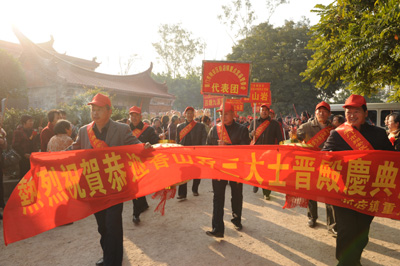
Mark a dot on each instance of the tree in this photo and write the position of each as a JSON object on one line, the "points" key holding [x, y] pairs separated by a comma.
{"points": [[178, 49], [239, 16], [278, 56], [12, 77], [125, 67], [357, 42], [186, 90], [78, 112]]}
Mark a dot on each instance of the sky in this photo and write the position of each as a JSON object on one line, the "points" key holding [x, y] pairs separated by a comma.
{"points": [[115, 30]]}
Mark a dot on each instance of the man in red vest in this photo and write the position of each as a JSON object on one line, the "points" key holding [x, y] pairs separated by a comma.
{"points": [[268, 132], [144, 133], [315, 133], [104, 132], [228, 133], [353, 226], [190, 133]]}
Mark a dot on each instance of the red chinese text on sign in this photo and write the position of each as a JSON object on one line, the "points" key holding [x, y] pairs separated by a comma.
{"points": [[226, 78]]}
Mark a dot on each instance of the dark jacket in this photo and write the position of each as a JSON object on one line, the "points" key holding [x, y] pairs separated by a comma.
{"points": [[238, 134], [25, 141], [374, 135], [272, 135], [396, 141], [149, 135], [196, 136], [172, 131], [45, 136]]}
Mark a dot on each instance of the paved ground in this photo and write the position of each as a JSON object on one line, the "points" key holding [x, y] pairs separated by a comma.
{"points": [[271, 236]]}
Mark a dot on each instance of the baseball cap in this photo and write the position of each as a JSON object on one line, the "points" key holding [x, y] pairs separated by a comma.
{"points": [[355, 101], [323, 104], [264, 105], [271, 111], [228, 107], [188, 108], [135, 109], [100, 100]]}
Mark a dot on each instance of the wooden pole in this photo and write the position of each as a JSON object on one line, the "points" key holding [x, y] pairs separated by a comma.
{"points": [[254, 121], [222, 118]]}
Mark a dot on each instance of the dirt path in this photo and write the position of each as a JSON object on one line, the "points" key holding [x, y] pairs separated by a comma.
{"points": [[270, 236]]}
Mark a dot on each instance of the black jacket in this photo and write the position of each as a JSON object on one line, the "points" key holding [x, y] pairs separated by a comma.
{"points": [[238, 134], [196, 136], [374, 135], [149, 135], [272, 135]]}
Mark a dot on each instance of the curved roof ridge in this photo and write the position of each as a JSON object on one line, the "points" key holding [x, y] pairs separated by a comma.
{"points": [[75, 74]]}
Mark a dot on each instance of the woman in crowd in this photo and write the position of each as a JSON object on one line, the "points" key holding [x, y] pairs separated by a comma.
{"points": [[62, 138], [394, 130], [164, 123], [172, 127], [25, 141], [158, 129]]}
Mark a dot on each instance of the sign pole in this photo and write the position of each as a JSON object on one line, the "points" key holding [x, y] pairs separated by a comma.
{"points": [[222, 118], [254, 120]]}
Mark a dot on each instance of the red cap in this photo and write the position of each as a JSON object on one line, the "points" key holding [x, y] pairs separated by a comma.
{"points": [[271, 111], [228, 107], [323, 104], [188, 108], [355, 101], [135, 109], [264, 105], [100, 100]]}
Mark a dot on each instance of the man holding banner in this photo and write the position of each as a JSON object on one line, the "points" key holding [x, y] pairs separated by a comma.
{"points": [[355, 134], [315, 133], [190, 133], [104, 132], [145, 133], [267, 132], [228, 133]]}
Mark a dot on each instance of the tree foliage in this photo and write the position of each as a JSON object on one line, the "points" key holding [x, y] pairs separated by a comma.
{"points": [[186, 90], [357, 42], [12, 77], [177, 49], [239, 16], [278, 56], [12, 120], [78, 112]]}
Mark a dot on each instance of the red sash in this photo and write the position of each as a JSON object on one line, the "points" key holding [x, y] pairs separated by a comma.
{"points": [[137, 132], [353, 137], [261, 128], [320, 137], [186, 130], [95, 142], [226, 138]]}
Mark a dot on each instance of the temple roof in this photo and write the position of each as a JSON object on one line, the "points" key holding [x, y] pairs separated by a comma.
{"points": [[15, 49], [48, 61]]}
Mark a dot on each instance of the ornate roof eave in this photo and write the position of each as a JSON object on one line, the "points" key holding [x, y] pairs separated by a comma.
{"points": [[150, 95], [73, 74]]}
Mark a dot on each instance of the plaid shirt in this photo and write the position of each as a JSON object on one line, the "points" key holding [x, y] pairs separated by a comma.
{"points": [[25, 141]]}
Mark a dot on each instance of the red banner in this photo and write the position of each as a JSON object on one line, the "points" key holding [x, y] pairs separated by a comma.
{"points": [[238, 105], [63, 187], [211, 101], [226, 78], [260, 92]]}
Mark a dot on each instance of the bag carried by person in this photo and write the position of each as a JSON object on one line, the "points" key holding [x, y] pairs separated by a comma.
{"points": [[10, 158]]}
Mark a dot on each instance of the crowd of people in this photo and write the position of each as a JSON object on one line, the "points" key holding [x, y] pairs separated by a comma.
{"points": [[320, 130]]}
